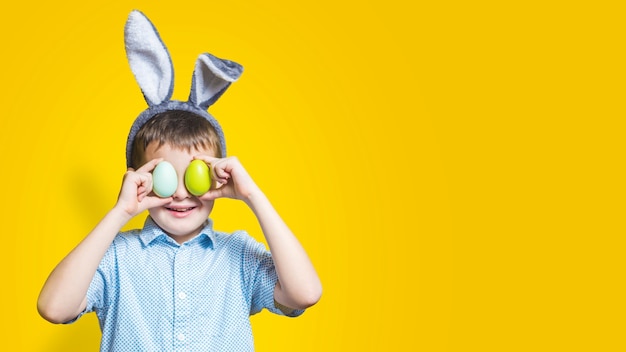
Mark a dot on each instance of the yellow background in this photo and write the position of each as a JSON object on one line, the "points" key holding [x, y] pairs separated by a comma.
{"points": [[455, 169]]}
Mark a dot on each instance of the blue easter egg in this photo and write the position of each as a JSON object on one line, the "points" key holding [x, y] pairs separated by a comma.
{"points": [[164, 179]]}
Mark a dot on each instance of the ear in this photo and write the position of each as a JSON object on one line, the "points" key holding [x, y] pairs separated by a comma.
{"points": [[149, 59], [211, 77]]}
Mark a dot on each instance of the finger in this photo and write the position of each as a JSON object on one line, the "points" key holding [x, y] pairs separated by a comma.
{"points": [[210, 161], [219, 181], [143, 183], [221, 171], [207, 158], [213, 194], [150, 165], [155, 202], [143, 191], [142, 180]]}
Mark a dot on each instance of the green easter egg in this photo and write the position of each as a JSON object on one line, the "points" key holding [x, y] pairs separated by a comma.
{"points": [[197, 178]]}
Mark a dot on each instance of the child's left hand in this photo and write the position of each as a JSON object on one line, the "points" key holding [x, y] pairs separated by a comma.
{"points": [[230, 179]]}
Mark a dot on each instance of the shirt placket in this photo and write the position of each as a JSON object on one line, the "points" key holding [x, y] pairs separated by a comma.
{"points": [[181, 291]]}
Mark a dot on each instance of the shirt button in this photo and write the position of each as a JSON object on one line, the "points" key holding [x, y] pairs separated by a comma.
{"points": [[182, 295], [180, 337]]}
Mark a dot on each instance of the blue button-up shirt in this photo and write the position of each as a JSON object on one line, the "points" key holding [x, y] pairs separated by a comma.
{"points": [[152, 294]]}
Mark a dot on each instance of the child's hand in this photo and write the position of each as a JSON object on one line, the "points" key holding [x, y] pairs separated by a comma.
{"points": [[135, 194], [230, 177]]}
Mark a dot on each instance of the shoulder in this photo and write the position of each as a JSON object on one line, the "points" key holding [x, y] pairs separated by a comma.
{"points": [[128, 238], [239, 241], [125, 241]]}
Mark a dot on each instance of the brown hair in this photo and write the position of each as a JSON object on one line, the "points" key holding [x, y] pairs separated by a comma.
{"points": [[180, 129]]}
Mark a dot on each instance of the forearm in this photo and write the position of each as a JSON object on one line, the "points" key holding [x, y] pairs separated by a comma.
{"points": [[63, 295], [299, 286]]}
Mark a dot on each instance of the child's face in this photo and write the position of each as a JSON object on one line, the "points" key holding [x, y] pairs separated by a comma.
{"points": [[183, 218]]}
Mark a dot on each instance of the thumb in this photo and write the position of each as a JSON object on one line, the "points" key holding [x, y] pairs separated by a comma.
{"points": [[213, 194], [155, 202]]}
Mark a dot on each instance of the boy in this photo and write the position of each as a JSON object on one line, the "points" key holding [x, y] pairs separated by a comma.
{"points": [[177, 284]]}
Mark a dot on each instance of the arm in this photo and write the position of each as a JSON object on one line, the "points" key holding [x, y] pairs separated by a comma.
{"points": [[64, 295], [298, 285]]}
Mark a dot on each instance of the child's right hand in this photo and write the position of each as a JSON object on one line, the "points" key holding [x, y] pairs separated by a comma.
{"points": [[136, 194]]}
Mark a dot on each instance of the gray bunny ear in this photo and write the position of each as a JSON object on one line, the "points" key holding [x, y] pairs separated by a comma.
{"points": [[211, 77], [149, 59]]}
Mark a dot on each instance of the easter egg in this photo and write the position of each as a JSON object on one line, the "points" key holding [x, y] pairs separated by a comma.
{"points": [[164, 179], [197, 178]]}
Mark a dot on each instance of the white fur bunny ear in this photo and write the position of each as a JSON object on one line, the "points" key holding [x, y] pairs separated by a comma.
{"points": [[211, 78], [149, 59]]}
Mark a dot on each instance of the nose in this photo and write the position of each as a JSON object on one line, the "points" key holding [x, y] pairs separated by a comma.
{"points": [[181, 191]]}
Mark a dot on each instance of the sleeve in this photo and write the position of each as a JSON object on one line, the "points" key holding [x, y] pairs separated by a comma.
{"points": [[261, 278], [97, 291]]}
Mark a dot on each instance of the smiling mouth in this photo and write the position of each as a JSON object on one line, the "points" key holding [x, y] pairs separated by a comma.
{"points": [[180, 210]]}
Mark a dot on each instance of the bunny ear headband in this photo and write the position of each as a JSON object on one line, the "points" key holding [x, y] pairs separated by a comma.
{"points": [[152, 66]]}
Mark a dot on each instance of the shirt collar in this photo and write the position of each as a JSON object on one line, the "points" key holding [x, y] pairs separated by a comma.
{"points": [[151, 232]]}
